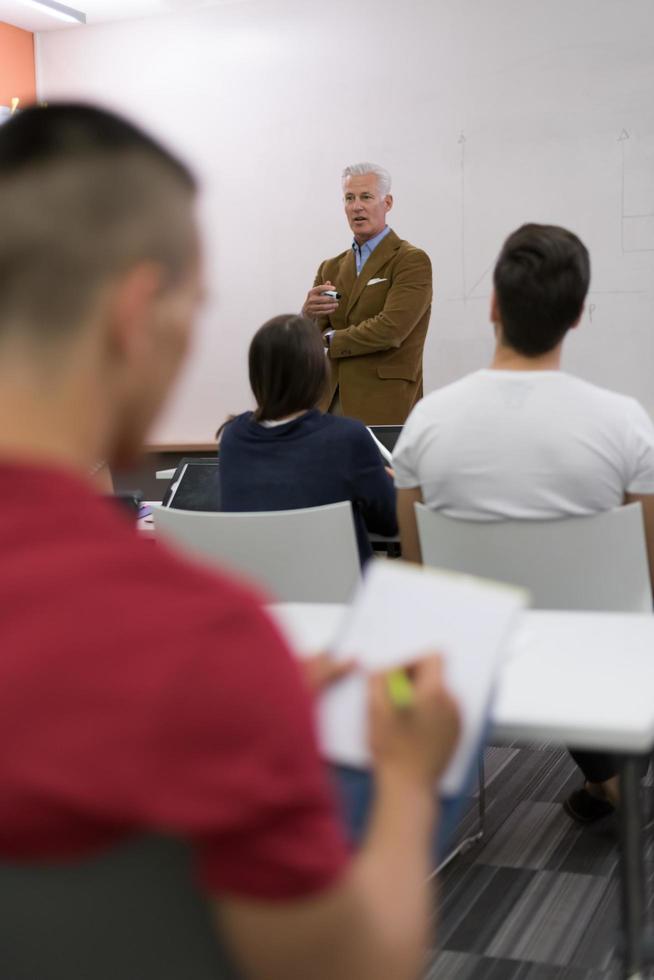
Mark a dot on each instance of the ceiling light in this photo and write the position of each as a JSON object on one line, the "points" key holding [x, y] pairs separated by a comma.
{"points": [[58, 10]]}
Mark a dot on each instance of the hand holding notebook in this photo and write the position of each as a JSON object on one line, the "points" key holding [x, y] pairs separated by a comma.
{"points": [[401, 613]]}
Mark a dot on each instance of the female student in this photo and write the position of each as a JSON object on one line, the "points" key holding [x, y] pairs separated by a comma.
{"points": [[287, 454]]}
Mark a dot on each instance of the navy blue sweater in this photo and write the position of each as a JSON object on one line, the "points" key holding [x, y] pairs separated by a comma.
{"points": [[312, 460]]}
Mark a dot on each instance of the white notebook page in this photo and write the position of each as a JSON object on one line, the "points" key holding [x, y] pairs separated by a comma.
{"points": [[402, 612]]}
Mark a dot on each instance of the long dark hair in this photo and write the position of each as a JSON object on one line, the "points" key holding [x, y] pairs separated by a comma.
{"points": [[288, 367]]}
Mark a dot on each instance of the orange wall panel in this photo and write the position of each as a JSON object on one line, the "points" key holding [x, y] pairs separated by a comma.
{"points": [[17, 70]]}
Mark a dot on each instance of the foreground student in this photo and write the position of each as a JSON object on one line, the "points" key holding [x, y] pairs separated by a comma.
{"points": [[523, 440], [137, 692], [287, 454]]}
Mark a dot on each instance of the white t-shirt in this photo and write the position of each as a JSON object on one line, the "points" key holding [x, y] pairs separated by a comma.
{"points": [[525, 445]]}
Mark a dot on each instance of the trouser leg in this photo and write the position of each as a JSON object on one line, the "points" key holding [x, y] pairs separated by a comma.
{"points": [[335, 407], [597, 767]]}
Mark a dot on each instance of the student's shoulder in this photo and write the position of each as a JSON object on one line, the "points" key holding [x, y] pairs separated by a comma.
{"points": [[168, 595], [235, 425], [243, 418], [344, 439], [435, 401], [613, 403], [342, 427], [134, 596]]}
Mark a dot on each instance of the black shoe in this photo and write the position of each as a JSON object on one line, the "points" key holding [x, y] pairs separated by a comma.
{"points": [[583, 807]]}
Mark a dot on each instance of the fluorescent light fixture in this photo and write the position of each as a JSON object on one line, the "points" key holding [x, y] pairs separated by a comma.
{"points": [[58, 10]]}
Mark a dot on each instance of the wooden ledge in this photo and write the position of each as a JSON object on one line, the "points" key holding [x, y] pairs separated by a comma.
{"points": [[179, 447]]}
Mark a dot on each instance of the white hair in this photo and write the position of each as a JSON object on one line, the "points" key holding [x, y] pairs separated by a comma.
{"points": [[361, 169]]}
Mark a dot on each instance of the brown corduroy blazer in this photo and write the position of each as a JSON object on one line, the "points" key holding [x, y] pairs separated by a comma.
{"points": [[380, 328]]}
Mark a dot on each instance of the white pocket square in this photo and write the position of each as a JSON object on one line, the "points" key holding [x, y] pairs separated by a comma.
{"points": [[373, 282]]}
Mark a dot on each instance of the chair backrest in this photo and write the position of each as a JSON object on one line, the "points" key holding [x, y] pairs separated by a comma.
{"points": [[307, 555], [133, 912], [596, 563]]}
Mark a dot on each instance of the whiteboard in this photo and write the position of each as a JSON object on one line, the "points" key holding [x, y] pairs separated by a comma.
{"points": [[488, 114]]}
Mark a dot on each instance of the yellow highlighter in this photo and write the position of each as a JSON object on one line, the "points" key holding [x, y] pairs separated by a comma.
{"points": [[400, 689]]}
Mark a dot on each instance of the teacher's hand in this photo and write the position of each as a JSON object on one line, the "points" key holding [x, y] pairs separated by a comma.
{"points": [[316, 305]]}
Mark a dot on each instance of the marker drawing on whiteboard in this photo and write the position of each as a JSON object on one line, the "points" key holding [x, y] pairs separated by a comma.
{"points": [[466, 291], [462, 143], [635, 219]]}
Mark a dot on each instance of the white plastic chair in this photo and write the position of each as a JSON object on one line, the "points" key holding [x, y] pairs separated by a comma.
{"points": [[583, 563], [307, 555]]}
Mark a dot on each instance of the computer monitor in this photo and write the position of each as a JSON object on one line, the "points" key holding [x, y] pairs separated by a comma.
{"points": [[129, 501], [385, 436], [195, 485]]}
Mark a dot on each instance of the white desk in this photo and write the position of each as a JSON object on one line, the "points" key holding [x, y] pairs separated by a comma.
{"points": [[579, 679], [582, 679]]}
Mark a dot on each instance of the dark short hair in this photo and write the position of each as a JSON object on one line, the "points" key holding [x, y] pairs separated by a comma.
{"points": [[541, 279], [288, 367], [84, 195]]}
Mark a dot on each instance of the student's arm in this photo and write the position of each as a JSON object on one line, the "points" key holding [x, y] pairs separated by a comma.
{"points": [[102, 479], [406, 519], [638, 440], [647, 503], [374, 924], [372, 488]]}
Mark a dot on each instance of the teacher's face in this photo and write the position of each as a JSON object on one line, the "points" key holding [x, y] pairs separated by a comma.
{"points": [[365, 207]]}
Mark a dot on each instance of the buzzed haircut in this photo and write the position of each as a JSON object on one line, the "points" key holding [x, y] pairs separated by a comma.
{"points": [[84, 196], [541, 279]]}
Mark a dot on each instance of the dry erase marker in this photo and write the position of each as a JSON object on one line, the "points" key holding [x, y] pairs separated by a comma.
{"points": [[332, 293], [400, 689]]}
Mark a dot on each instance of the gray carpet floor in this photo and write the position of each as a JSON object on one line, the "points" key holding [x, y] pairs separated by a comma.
{"points": [[538, 899]]}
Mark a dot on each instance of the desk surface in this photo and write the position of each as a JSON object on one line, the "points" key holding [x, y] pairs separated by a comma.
{"points": [[580, 679]]}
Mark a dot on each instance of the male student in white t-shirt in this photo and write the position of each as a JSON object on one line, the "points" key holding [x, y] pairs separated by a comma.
{"points": [[524, 440]]}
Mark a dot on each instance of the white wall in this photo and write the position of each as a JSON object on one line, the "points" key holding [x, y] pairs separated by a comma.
{"points": [[487, 114]]}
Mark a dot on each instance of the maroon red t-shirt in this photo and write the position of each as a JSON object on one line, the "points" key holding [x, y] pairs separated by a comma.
{"points": [[139, 693]]}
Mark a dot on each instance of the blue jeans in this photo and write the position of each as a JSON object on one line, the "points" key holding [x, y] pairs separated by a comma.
{"points": [[355, 790]]}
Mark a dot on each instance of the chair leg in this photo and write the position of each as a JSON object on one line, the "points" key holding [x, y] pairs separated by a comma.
{"points": [[475, 838]]}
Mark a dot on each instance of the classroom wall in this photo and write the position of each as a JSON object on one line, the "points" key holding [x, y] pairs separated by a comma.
{"points": [[487, 114], [17, 71]]}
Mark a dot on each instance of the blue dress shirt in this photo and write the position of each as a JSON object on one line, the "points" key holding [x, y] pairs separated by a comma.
{"points": [[363, 252]]}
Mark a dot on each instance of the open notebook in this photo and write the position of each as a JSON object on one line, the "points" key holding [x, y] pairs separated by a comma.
{"points": [[401, 612]]}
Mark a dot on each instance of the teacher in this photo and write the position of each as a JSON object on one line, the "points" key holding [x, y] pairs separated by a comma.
{"points": [[375, 328]]}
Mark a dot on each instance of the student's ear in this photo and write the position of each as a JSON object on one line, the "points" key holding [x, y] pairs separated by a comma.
{"points": [[131, 311], [579, 318], [494, 310]]}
